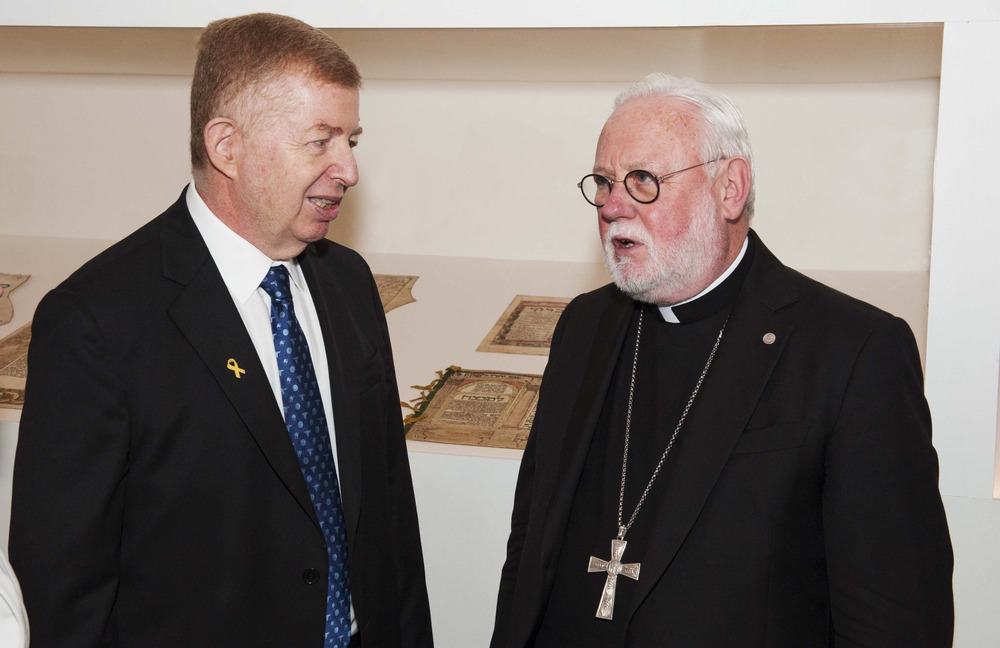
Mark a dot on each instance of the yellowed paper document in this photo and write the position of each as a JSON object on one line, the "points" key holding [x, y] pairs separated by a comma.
{"points": [[489, 409], [14, 367], [395, 290], [8, 282], [526, 326]]}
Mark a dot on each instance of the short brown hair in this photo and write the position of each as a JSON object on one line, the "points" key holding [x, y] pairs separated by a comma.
{"points": [[240, 55]]}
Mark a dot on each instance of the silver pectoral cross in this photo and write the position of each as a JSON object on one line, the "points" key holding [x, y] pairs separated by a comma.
{"points": [[614, 567]]}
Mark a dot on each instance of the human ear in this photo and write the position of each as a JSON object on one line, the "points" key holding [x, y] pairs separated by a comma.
{"points": [[735, 183], [222, 142]]}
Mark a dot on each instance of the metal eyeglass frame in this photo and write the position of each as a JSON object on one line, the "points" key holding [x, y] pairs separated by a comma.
{"points": [[624, 181]]}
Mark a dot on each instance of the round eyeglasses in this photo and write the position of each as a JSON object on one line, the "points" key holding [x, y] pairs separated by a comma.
{"points": [[643, 186]]}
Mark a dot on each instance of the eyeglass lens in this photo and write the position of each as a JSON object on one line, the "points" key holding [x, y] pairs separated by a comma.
{"points": [[641, 185]]}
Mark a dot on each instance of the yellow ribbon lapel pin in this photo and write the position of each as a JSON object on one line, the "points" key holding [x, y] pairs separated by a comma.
{"points": [[235, 368]]}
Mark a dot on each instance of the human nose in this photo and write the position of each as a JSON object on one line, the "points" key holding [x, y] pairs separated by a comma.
{"points": [[344, 168], [618, 205]]}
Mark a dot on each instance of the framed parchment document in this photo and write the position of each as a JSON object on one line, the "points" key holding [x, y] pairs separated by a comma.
{"points": [[490, 409], [526, 326]]}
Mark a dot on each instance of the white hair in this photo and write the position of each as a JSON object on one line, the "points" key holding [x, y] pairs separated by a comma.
{"points": [[723, 135]]}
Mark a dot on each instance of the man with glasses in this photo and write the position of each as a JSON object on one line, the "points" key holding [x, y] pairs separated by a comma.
{"points": [[725, 452]]}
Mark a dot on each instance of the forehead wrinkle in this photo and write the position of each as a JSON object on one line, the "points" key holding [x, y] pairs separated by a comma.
{"points": [[627, 167]]}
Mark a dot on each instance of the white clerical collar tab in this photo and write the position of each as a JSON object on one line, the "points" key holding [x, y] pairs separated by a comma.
{"points": [[668, 314]]}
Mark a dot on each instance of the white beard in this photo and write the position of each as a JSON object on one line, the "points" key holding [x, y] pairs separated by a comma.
{"points": [[673, 269]]}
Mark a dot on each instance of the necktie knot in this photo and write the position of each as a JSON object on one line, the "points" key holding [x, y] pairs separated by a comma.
{"points": [[276, 284]]}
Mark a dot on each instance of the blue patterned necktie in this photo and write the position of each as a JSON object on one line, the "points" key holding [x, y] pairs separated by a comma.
{"points": [[307, 427]]}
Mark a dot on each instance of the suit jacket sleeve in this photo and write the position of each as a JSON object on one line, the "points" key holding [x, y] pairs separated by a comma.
{"points": [[69, 476], [889, 557]]}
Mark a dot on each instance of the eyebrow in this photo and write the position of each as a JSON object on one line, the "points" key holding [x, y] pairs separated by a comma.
{"points": [[334, 130]]}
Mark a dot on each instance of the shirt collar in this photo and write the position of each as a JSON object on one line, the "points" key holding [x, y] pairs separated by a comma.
{"points": [[241, 265]]}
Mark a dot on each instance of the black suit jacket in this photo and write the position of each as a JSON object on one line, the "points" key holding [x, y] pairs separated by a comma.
{"points": [[157, 500], [805, 509]]}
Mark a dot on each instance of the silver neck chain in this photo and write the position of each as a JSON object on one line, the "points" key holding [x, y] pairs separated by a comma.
{"points": [[623, 528]]}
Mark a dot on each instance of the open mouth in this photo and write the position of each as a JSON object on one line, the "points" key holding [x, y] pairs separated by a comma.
{"points": [[324, 203], [624, 242]]}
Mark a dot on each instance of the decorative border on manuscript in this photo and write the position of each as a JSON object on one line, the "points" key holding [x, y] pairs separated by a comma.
{"points": [[14, 367], [395, 290], [489, 409], [526, 326]]}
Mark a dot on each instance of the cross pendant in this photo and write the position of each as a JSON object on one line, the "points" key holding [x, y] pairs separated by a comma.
{"points": [[613, 567]]}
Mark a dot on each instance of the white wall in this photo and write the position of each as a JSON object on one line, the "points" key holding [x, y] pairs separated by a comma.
{"points": [[964, 324], [489, 170], [963, 336]]}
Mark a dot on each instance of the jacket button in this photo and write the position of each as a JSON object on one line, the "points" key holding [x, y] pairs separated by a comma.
{"points": [[310, 576]]}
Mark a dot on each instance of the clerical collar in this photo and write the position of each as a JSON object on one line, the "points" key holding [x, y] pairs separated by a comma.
{"points": [[719, 294]]}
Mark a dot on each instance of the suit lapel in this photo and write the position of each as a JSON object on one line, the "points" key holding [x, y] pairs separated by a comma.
{"points": [[734, 384], [205, 314], [582, 419], [344, 352]]}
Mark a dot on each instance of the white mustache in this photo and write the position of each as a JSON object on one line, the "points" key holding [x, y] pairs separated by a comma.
{"points": [[626, 230]]}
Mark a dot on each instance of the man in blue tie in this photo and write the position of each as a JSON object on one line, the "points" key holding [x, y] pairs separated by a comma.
{"points": [[211, 451]]}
